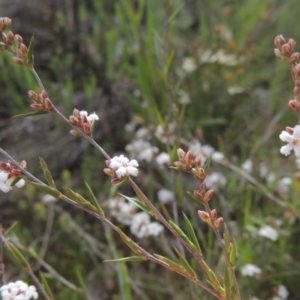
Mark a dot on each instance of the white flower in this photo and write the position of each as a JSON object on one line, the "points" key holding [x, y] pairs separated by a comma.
{"points": [[142, 133], [142, 150], [189, 65], [18, 290], [93, 117], [163, 159], [247, 165], [123, 166], [121, 210], [184, 97], [250, 270], [284, 185], [139, 224], [215, 180], [268, 232], [232, 90], [142, 227], [154, 228], [5, 182], [217, 156], [203, 151], [84, 113], [165, 196], [48, 199], [282, 292], [293, 141]]}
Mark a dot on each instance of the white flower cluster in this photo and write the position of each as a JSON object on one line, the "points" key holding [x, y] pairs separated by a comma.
{"points": [[293, 141], [140, 224], [91, 118], [18, 290], [250, 270], [123, 166], [5, 182]]}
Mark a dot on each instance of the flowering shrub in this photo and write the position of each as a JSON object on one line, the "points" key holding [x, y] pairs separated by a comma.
{"points": [[140, 216]]}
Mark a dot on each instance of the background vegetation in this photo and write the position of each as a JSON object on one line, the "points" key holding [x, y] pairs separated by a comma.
{"points": [[111, 57]]}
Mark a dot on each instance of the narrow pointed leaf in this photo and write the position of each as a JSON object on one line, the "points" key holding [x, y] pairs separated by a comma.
{"points": [[213, 278], [170, 61], [30, 53], [227, 285], [47, 189], [126, 259], [186, 265], [130, 243], [226, 236], [47, 173], [195, 198], [75, 196], [94, 200], [232, 256], [137, 203], [207, 164], [18, 255], [191, 233], [32, 113], [46, 286], [182, 234], [171, 264], [15, 181]]}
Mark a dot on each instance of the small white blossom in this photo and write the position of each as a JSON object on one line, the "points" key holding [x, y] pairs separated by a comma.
{"points": [[247, 165], [189, 65], [84, 113], [232, 90], [268, 232], [121, 210], [215, 180], [142, 150], [142, 227], [123, 166], [5, 182], [93, 117], [217, 156], [48, 199], [142, 133], [165, 196], [203, 151], [184, 97], [282, 292], [18, 290], [163, 159], [284, 185], [250, 270], [293, 142]]}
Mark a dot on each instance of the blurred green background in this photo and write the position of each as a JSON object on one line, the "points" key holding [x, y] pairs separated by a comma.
{"points": [[112, 57]]}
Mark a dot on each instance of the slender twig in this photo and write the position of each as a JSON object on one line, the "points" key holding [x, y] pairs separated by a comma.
{"points": [[227, 260]]}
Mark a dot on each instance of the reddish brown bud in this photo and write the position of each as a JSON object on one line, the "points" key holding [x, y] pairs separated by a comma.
{"points": [[75, 132], [219, 222], [44, 94], [277, 53], [197, 161], [214, 214], [180, 153], [18, 39], [294, 57], [204, 216], [87, 129], [290, 130], [10, 38], [23, 49], [279, 41], [48, 104], [286, 50], [294, 105], [33, 95], [73, 120], [208, 195], [292, 43], [189, 156], [4, 23], [36, 106]]}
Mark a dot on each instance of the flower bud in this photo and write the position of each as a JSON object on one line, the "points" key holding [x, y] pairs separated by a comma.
{"points": [[18, 39], [219, 222], [294, 105], [294, 57], [279, 41], [180, 153], [204, 216], [208, 195]]}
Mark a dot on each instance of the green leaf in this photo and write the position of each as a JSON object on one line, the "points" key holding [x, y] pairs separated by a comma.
{"points": [[33, 113], [75, 196], [47, 189], [227, 285], [182, 234], [226, 236], [46, 286], [207, 164], [186, 265], [94, 199], [191, 233], [137, 203], [232, 255], [30, 62], [126, 259], [47, 173], [18, 255]]}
